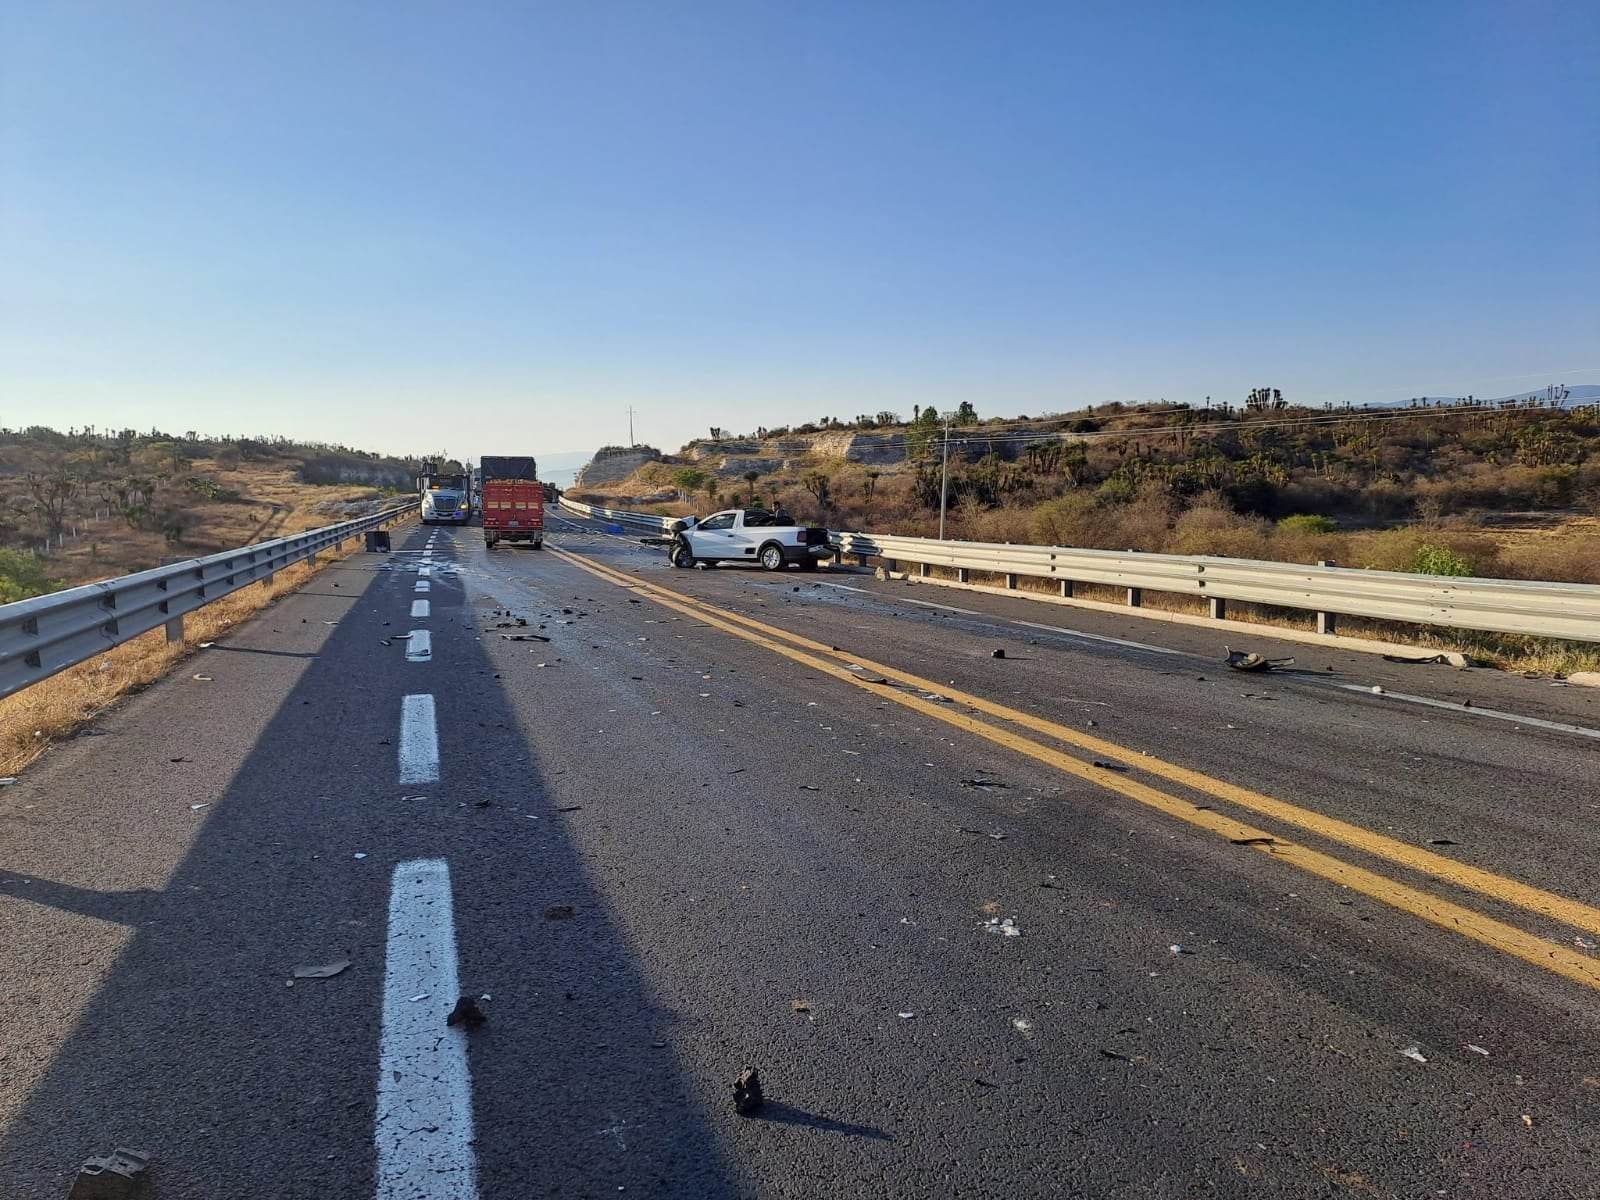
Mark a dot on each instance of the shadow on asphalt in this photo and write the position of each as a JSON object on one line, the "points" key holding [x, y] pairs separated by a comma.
{"points": [[195, 1050], [778, 1113]]}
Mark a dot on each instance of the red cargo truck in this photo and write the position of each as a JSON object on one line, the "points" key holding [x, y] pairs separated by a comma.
{"points": [[513, 501]]}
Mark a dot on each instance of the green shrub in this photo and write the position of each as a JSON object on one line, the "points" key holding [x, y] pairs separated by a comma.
{"points": [[22, 575], [1307, 523], [1430, 559]]}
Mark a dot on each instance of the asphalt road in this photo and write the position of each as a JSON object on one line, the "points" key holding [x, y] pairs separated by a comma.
{"points": [[782, 856]]}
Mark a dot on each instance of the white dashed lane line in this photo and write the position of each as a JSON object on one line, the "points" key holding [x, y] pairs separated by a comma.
{"points": [[419, 740], [419, 646], [423, 1132], [419, 608]]}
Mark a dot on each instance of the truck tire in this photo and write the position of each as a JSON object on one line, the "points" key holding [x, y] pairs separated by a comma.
{"points": [[771, 557]]}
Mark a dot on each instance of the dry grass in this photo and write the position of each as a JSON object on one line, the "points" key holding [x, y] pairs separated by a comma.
{"points": [[273, 503], [34, 719]]}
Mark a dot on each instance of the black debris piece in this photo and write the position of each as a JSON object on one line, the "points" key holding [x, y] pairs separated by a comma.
{"points": [[747, 1097], [466, 1012]]}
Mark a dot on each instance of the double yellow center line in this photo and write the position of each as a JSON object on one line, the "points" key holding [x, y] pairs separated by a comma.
{"points": [[874, 677]]}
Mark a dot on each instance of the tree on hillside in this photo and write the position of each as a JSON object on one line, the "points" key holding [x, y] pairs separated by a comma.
{"points": [[53, 490], [709, 485], [966, 414], [750, 478], [818, 485], [1264, 399], [688, 481], [869, 485]]}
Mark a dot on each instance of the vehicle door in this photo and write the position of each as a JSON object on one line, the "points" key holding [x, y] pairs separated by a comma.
{"points": [[714, 537], [754, 530]]}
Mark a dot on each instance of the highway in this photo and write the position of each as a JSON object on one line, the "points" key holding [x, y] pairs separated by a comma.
{"points": [[1095, 918]]}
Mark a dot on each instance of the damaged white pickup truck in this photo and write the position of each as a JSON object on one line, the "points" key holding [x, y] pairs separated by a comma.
{"points": [[749, 535]]}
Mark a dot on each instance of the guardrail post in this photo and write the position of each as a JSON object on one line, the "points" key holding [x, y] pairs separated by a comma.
{"points": [[174, 628], [1066, 589], [1219, 607], [924, 570], [1011, 581], [963, 575], [1327, 622], [1135, 597]]}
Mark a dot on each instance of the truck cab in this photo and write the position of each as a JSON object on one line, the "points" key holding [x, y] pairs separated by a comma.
{"points": [[753, 535], [446, 499]]}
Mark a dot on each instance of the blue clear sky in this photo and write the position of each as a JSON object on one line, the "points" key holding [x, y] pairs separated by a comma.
{"points": [[496, 226]]}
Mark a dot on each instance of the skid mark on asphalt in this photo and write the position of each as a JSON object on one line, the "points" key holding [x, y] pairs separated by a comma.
{"points": [[423, 1132]]}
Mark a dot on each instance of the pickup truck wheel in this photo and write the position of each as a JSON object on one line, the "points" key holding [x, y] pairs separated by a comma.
{"points": [[772, 556], [680, 556]]}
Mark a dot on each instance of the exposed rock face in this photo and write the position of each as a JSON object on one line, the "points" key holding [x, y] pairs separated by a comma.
{"points": [[613, 465]]}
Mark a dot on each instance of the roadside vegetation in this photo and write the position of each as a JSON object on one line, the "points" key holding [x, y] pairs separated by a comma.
{"points": [[1509, 490], [112, 503], [88, 504]]}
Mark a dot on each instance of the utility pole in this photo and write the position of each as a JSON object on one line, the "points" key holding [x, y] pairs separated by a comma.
{"points": [[631, 442], [944, 476]]}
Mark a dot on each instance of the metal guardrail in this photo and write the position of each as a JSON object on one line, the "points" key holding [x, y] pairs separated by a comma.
{"points": [[1557, 610], [46, 634], [637, 520], [1570, 611]]}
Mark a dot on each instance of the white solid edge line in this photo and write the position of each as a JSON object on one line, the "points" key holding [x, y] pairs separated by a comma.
{"points": [[1472, 710], [419, 608], [1095, 637], [423, 1131], [844, 587], [419, 646], [419, 741], [968, 612]]}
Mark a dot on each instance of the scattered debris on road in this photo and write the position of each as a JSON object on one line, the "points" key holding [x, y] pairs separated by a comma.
{"points": [[1239, 660], [1475, 1049], [321, 970], [1000, 653], [121, 1175], [1414, 1053], [571, 808], [1583, 943], [1002, 926], [1104, 1053], [200, 807], [985, 785], [747, 1097], [203, 678], [1254, 841], [1448, 657], [1107, 766], [524, 637], [466, 1012], [560, 912], [800, 1006], [1442, 842], [1527, 1119]]}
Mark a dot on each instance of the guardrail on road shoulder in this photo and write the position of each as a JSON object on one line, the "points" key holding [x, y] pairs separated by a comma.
{"points": [[1557, 610], [637, 520], [47, 634]]}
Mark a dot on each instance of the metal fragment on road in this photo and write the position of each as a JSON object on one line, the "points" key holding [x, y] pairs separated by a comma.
{"points": [[120, 1175], [1003, 927], [321, 970], [1414, 1053]]}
